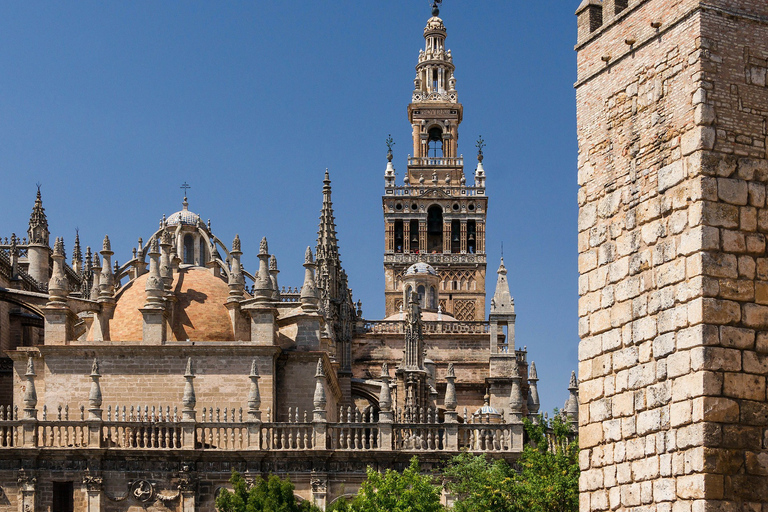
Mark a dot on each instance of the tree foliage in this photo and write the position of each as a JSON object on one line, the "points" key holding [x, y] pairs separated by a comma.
{"points": [[545, 478], [271, 495], [409, 491]]}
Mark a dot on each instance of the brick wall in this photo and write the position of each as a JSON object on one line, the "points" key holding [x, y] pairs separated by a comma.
{"points": [[673, 272]]}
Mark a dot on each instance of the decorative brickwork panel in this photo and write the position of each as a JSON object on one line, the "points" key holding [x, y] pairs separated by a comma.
{"points": [[464, 310]]}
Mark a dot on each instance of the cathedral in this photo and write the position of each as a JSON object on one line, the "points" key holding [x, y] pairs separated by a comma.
{"points": [[144, 384]]}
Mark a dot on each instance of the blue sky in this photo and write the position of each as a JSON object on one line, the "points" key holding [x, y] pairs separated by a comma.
{"points": [[112, 105]]}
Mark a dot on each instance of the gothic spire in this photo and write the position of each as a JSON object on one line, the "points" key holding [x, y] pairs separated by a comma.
{"points": [[38, 222], [77, 254], [327, 244]]}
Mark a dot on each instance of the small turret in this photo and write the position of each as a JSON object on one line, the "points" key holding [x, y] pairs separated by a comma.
{"points": [[515, 397], [154, 286], [38, 250], [96, 284]]}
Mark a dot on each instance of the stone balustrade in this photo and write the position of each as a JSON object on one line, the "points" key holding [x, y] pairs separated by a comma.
{"points": [[452, 327]]}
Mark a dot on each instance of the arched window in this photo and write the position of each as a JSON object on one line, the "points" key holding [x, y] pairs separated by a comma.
{"points": [[435, 148], [432, 298], [414, 243], [203, 259], [422, 295], [471, 236], [189, 250], [435, 229], [408, 291]]}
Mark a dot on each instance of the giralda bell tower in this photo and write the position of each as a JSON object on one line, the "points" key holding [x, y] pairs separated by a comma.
{"points": [[435, 216]]}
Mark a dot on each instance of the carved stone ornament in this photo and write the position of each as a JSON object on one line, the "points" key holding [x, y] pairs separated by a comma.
{"points": [[319, 485], [26, 480], [92, 482], [143, 491]]}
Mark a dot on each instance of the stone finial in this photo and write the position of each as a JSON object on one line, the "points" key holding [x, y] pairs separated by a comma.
{"points": [[107, 280], [58, 286], [30, 394], [308, 296], [385, 394], [262, 285], [273, 272], [450, 389], [515, 396], [155, 285], [236, 243], [94, 397], [95, 285], [319, 400], [189, 400], [571, 408], [254, 397], [533, 391]]}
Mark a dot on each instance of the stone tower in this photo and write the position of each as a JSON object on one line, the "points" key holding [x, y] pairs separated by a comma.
{"points": [[435, 217], [672, 115], [38, 252]]}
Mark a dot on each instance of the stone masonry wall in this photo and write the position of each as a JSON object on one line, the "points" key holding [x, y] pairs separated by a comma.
{"points": [[673, 271]]}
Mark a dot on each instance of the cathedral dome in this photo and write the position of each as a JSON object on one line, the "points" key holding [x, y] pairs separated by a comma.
{"points": [[421, 268], [199, 311]]}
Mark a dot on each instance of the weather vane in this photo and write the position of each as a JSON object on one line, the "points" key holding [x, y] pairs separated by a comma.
{"points": [[436, 7], [390, 142], [480, 145]]}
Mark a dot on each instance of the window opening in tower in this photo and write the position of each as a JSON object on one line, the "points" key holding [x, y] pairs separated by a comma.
{"points": [[471, 236], [399, 236], [435, 143], [435, 229], [414, 242]]}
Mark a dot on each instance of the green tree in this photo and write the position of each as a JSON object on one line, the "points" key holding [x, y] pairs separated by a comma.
{"points": [[409, 491], [271, 495], [545, 478]]}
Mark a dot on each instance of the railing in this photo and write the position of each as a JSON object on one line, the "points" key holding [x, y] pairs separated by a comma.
{"points": [[430, 327], [287, 436], [144, 428], [436, 161], [486, 437]]}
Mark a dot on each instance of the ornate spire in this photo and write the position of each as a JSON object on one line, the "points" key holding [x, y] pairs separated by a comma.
{"points": [[166, 268], [450, 389], [327, 243], [502, 302], [96, 284], [262, 286], [38, 223], [77, 254]]}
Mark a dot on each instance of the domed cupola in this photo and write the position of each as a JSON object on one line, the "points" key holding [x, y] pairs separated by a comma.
{"points": [[184, 216], [422, 279]]}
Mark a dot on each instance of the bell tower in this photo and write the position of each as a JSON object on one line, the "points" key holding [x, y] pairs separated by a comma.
{"points": [[435, 217]]}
